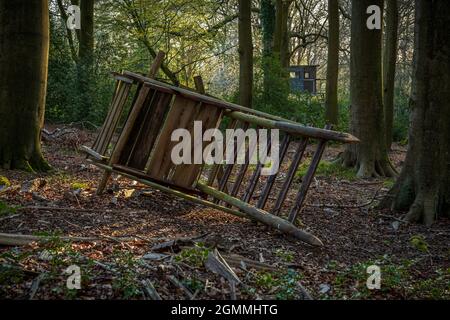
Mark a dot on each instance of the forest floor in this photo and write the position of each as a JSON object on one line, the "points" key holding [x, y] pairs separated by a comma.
{"points": [[340, 210]]}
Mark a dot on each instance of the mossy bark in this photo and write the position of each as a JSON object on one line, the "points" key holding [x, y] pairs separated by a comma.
{"points": [[389, 63], [370, 156], [331, 100], [423, 187], [24, 43], [86, 59], [245, 54]]}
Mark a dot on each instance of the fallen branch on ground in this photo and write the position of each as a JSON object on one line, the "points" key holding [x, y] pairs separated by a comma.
{"points": [[392, 217], [217, 264], [42, 208], [150, 290], [335, 206], [7, 239], [179, 285]]}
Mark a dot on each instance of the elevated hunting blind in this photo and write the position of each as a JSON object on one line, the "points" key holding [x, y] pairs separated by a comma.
{"points": [[151, 110], [303, 79]]}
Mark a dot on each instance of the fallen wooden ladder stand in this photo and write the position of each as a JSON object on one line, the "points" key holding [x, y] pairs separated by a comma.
{"points": [[151, 110]]}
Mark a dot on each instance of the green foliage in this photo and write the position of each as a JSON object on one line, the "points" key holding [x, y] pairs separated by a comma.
{"points": [[401, 117], [437, 288], [396, 279], [195, 256], [10, 275], [351, 283], [194, 284], [285, 255], [6, 210], [79, 185], [284, 284], [388, 183], [4, 182], [327, 169], [272, 94], [418, 242], [126, 283]]}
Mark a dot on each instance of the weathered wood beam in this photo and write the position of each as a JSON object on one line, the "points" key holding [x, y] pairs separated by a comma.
{"points": [[295, 129], [134, 113], [271, 180], [249, 115], [97, 156], [307, 179], [290, 176], [262, 216], [168, 190]]}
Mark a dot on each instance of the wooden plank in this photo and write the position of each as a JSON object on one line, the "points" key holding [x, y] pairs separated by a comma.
{"points": [[134, 112], [101, 134], [124, 135], [171, 191], [181, 115], [113, 117], [249, 152], [143, 102], [271, 180], [143, 175], [294, 128], [307, 181], [250, 115], [144, 113], [150, 129], [93, 154], [187, 174], [218, 169], [229, 167], [256, 175], [290, 176]]}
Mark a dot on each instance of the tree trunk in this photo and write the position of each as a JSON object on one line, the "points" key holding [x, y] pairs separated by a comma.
{"points": [[245, 54], [24, 44], [389, 62], [370, 156], [268, 26], [331, 100], [281, 36], [268, 29], [86, 58], [423, 187]]}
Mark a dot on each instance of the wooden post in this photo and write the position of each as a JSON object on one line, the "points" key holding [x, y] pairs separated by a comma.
{"points": [[174, 192], [130, 122], [307, 181], [271, 180], [256, 175], [262, 216], [290, 176]]}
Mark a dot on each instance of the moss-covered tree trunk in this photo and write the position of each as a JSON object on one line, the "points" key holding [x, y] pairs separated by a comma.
{"points": [[331, 99], [281, 35], [389, 62], [245, 54], [268, 30], [24, 43], [423, 187], [86, 59], [370, 156]]}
